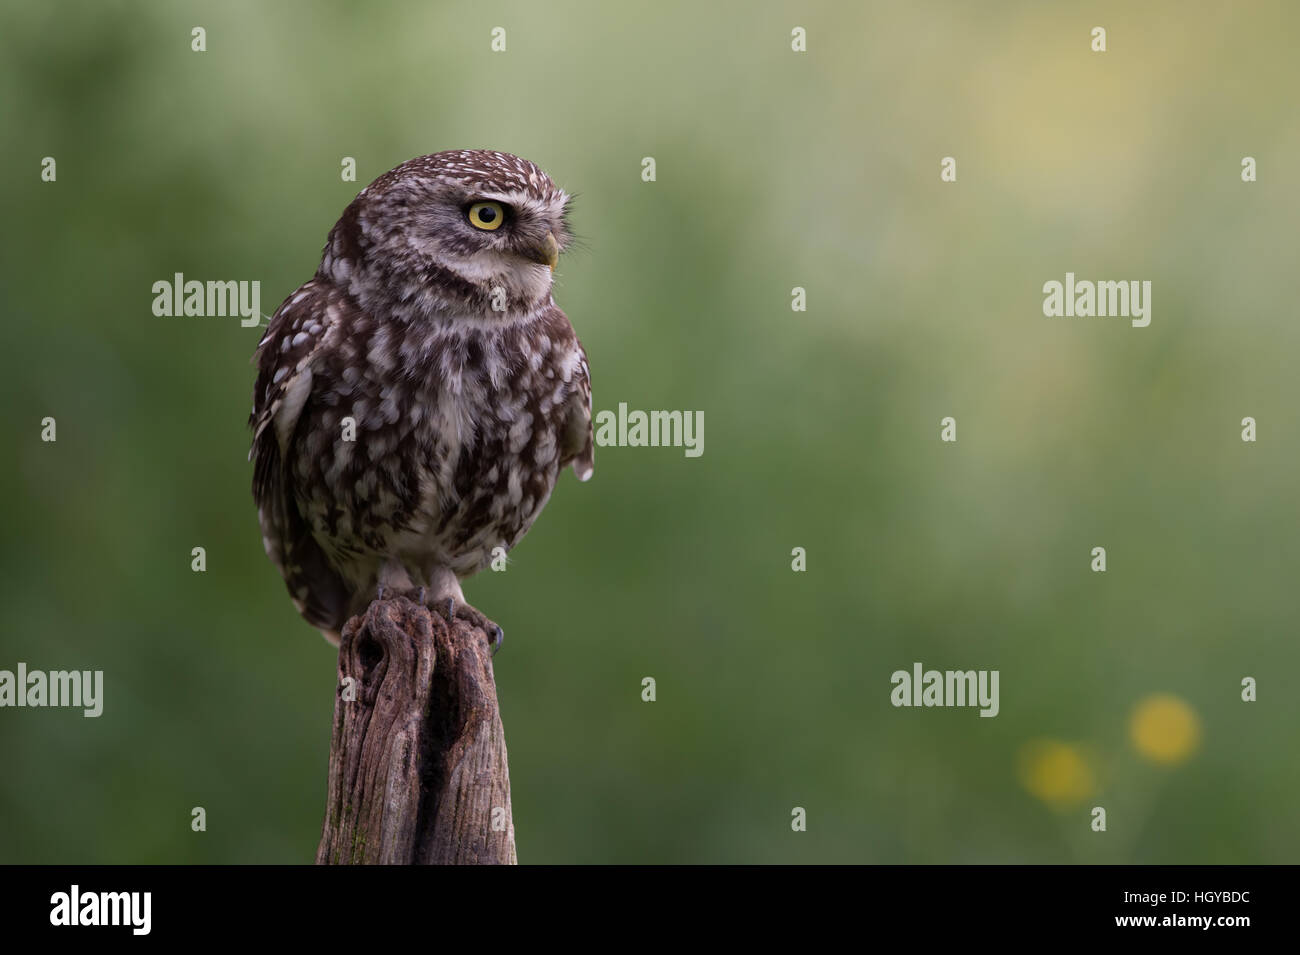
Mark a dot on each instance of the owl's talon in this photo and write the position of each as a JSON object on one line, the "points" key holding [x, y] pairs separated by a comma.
{"points": [[450, 610]]}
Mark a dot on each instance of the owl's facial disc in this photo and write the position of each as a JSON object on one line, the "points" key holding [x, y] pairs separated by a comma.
{"points": [[523, 228], [499, 240]]}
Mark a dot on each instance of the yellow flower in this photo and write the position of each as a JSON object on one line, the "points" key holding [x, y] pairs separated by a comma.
{"points": [[1055, 772], [1165, 729]]}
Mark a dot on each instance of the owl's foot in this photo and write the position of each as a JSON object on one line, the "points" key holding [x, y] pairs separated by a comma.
{"points": [[496, 636], [451, 610]]}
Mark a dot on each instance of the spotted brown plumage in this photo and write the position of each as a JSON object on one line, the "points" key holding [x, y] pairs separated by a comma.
{"points": [[430, 338]]}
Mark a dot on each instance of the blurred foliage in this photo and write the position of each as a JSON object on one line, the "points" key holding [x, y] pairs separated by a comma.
{"points": [[775, 170]]}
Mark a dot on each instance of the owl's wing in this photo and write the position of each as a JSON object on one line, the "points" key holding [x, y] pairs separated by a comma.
{"points": [[284, 362], [577, 441]]}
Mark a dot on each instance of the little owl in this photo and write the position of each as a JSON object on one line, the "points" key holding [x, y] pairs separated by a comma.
{"points": [[417, 399]]}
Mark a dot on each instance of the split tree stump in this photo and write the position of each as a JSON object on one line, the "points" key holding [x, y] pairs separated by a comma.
{"points": [[417, 771]]}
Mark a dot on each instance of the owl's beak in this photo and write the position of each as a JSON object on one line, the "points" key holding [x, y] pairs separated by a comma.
{"points": [[547, 253]]}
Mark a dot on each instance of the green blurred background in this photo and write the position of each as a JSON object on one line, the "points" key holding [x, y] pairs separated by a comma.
{"points": [[775, 170]]}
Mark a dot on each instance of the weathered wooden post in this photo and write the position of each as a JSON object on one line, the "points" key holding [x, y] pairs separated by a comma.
{"points": [[417, 771]]}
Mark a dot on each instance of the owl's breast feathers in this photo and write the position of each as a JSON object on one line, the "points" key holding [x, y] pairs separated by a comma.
{"points": [[432, 442]]}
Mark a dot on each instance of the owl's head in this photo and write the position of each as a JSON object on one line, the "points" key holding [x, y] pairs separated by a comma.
{"points": [[468, 234]]}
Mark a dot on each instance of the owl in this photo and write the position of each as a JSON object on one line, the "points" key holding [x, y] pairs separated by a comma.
{"points": [[417, 399]]}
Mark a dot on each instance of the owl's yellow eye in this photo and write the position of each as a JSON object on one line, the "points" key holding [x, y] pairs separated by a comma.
{"points": [[486, 215]]}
